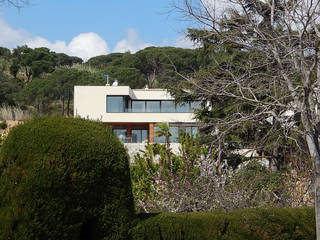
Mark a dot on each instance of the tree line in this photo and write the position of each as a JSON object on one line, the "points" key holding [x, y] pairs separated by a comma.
{"points": [[43, 80]]}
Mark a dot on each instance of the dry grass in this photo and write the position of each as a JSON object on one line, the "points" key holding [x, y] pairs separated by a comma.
{"points": [[13, 113], [83, 67]]}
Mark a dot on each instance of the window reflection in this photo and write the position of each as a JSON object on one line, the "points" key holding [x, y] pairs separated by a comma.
{"points": [[168, 106], [119, 104], [138, 106], [121, 134], [195, 105], [183, 107], [157, 138], [139, 135], [153, 106], [176, 132], [115, 104]]}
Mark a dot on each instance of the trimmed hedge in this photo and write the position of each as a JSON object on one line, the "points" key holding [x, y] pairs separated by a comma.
{"points": [[64, 178], [245, 224]]}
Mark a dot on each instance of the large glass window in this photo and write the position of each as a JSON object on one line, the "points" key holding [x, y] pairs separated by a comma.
{"points": [[115, 104], [168, 106], [195, 105], [183, 107], [121, 134], [174, 131], [153, 106], [118, 104], [139, 135], [157, 138], [138, 106]]}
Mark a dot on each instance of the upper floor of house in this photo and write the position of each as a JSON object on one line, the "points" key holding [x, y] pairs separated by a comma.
{"points": [[116, 104]]}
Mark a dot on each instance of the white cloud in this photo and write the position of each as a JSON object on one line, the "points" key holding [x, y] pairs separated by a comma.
{"points": [[185, 42], [84, 45], [10, 37], [132, 43]]}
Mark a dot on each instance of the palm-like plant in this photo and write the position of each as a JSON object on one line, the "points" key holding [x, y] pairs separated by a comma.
{"points": [[164, 130]]}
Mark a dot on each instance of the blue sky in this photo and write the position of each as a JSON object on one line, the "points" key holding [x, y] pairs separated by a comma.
{"points": [[92, 27]]}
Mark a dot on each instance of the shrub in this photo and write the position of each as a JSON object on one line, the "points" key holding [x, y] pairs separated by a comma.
{"points": [[64, 178], [245, 224], [3, 125]]}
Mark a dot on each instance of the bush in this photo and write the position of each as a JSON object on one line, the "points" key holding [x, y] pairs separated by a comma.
{"points": [[3, 125], [245, 224], [64, 178]]}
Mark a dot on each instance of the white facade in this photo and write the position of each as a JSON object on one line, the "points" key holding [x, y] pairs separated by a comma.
{"points": [[134, 129], [91, 102]]}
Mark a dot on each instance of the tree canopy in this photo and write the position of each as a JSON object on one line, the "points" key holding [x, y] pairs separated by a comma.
{"points": [[277, 80]]}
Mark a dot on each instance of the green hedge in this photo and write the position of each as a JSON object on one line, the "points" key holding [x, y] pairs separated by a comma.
{"points": [[64, 178], [245, 224]]}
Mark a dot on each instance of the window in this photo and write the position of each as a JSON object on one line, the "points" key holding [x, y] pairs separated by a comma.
{"points": [[153, 106], [174, 131], [115, 104], [158, 139], [168, 106], [118, 104], [121, 134], [195, 105], [138, 106], [139, 135], [183, 107]]}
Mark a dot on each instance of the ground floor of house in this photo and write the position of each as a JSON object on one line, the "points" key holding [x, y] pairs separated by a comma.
{"points": [[142, 132]]}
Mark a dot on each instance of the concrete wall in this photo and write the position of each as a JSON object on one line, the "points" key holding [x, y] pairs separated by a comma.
{"points": [[90, 102]]}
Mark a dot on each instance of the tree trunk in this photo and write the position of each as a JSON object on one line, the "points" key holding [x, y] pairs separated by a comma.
{"points": [[62, 99], [168, 153], [68, 103], [28, 74], [313, 146]]}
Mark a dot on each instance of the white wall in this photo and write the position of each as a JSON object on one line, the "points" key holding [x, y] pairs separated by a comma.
{"points": [[90, 102], [134, 148]]}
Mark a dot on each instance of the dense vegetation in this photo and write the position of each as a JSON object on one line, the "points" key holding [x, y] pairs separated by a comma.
{"points": [[205, 176], [64, 178], [41, 80], [246, 224]]}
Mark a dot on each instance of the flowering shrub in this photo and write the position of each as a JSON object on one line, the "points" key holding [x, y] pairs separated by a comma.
{"points": [[3, 136]]}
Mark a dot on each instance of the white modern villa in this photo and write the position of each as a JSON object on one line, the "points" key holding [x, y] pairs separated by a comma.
{"points": [[134, 113]]}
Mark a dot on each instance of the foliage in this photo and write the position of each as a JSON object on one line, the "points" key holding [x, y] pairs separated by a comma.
{"points": [[5, 52], [127, 76], [153, 66], [38, 61], [100, 62], [8, 88], [69, 180], [43, 80], [58, 86], [3, 136], [157, 169], [261, 186], [279, 78], [246, 224], [3, 124], [192, 180]]}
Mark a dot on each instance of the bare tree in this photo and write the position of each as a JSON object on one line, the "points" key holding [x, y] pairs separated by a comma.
{"points": [[280, 74], [15, 3]]}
